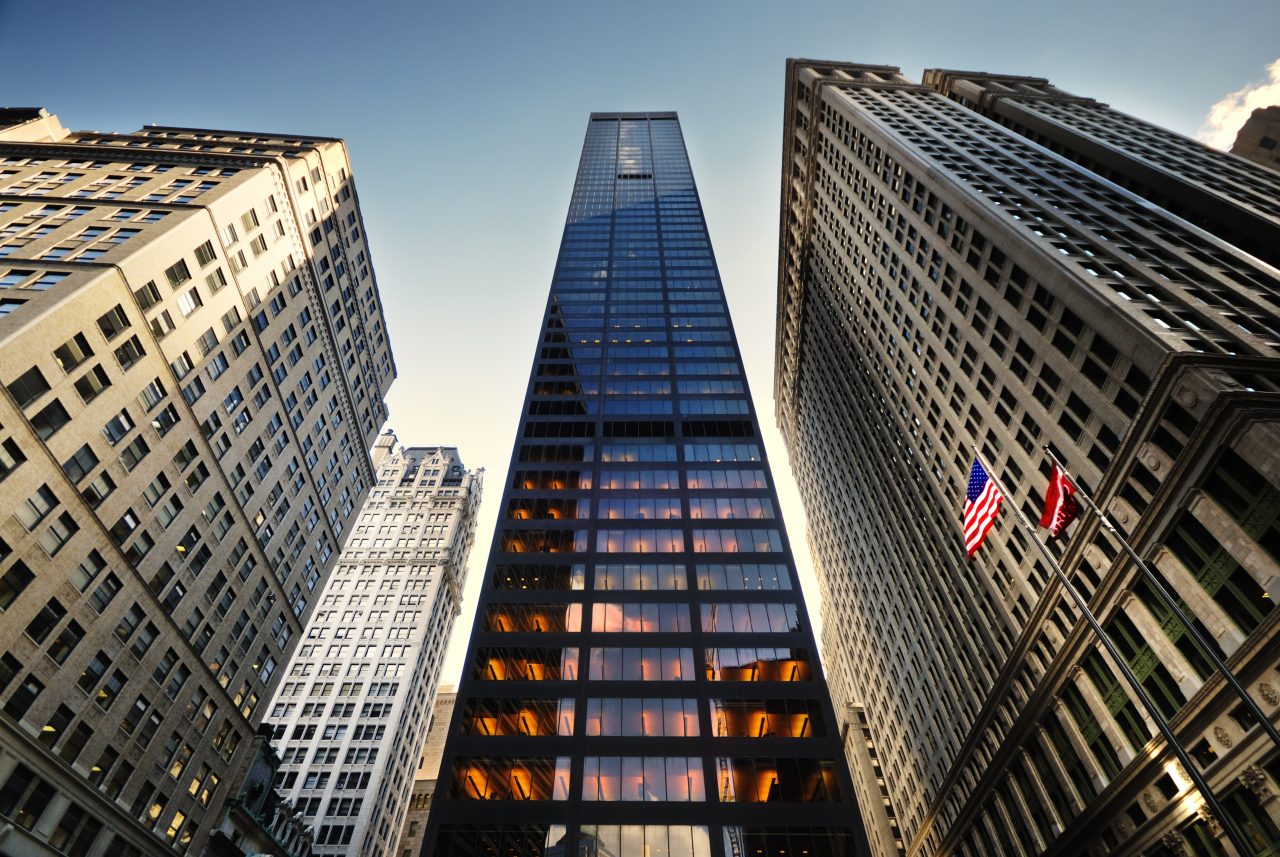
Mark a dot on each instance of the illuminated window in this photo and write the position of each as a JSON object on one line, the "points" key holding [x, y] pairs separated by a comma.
{"points": [[643, 778]]}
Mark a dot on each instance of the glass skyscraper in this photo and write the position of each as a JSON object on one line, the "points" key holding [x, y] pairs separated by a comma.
{"points": [[642, 679]]}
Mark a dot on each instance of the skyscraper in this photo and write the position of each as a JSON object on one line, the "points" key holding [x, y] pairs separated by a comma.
{"points": [[351, 716], [989, 261], [641, 678], [194, 363]]}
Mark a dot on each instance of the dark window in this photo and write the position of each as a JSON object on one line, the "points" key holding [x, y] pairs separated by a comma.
{"points": [[13, 582], [53, 417], [80, 463], [29, 386]]}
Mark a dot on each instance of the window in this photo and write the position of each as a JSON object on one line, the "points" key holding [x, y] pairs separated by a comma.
{"points": [[112, 323], [53, 417], [13, 582], [29, 386], [177, 273], [80, 463], [36, 507], [148, 295], [643, 778], [10, 457], [189, 302], [91, 383], [24, 797], [205, 253], [117, 427], [129, 353], [134, 452], [43, 623], [502, 778], [73, 352]]}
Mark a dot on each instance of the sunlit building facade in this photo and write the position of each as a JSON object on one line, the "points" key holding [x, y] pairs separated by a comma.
{"points": [[641, 677], [194, 364], [351, 717], [986, 260]]}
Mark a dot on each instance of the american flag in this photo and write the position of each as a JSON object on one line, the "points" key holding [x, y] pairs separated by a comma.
{"points": [[982, 502]]}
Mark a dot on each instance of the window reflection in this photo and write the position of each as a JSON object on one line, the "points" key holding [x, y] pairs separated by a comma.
{"points": [[548, 618], [520, 663], [750, 618], [646, 577], [772, 780], [641, 664], [736, 541], [503, 778], [639, 541], [518, 717], [556, 509], [640, 618], [745, 576], [530, 576], [789, 842], [643, 778], [640, 508], [757, 664], [670, 718], [765, 718], [731, 507], [544, 541], [464, 840], [650, 840]]}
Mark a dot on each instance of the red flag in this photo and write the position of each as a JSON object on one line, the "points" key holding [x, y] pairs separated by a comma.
{"points": [[1060, 506]]}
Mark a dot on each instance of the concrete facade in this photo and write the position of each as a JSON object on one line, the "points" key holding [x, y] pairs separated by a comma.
{"points": [[194, 366], [986, 260], [1259, 137], [351, 717], [427, 776]]}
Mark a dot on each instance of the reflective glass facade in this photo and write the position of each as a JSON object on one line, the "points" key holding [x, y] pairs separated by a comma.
{"points": [[642, 679]]}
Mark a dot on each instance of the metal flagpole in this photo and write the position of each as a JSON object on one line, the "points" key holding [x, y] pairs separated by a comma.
{"points": [[1210, 800], [1153, 579]]}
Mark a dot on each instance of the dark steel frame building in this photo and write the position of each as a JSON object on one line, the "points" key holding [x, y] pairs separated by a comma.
{"points": [[986, 260], [641, 679]]}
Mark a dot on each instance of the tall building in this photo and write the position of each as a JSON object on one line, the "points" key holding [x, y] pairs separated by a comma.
{"points": [[987, 261], [641, 677], [351, 717], [194, 362], [1259, 136], [428, 774]]}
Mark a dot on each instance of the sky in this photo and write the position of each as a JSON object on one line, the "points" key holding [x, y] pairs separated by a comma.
{"points": [[464, 122]]}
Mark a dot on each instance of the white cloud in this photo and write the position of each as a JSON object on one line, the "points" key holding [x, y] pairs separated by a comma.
{"points": [[1223, 122]]}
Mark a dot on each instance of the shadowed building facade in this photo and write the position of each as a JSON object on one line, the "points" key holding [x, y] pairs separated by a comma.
{"points": [[986, 260], [641, 679]]}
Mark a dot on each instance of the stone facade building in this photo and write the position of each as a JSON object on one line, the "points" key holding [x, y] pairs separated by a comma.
{"points": [[986, 260], [194, 361], [351, 717], [427, 777], [1259, 137]]}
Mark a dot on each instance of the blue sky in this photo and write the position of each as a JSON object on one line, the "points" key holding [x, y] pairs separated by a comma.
{"points": [[464, 122]]}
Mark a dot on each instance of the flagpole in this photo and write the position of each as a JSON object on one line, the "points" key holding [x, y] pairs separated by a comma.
{"points": [[1238, 841], [1168, 598]]}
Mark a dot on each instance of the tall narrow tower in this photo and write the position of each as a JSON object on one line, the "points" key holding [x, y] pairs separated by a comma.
{"points": [[641, 678], [351, 716]]}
